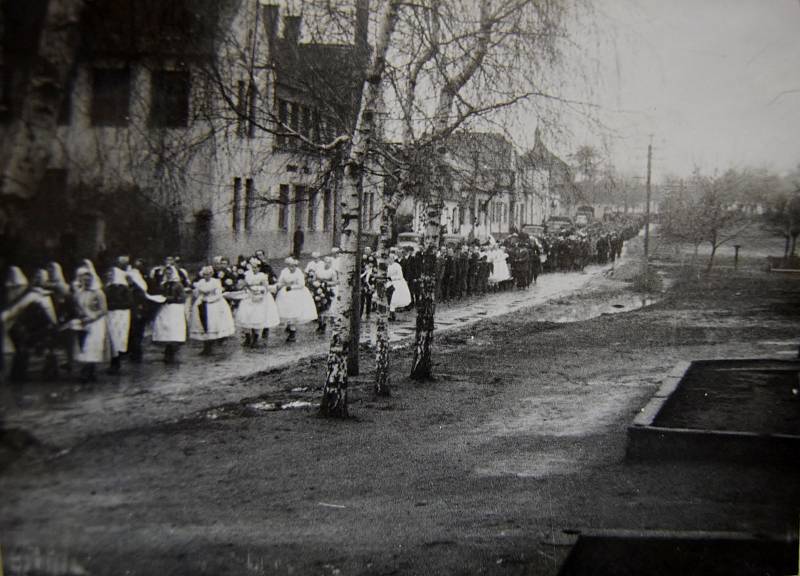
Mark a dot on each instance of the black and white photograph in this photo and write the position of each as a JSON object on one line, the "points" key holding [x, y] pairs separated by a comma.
{"points": [[399, 287]]}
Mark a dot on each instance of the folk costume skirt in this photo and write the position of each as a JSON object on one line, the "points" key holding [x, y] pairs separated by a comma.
{"points": [[119, 324], [211, 320], [257, 311], [296, 305], [169, 325], [92, 344], [401, 297]]}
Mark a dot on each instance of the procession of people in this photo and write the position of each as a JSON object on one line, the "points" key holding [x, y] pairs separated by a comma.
{"points": [[91, 323]]}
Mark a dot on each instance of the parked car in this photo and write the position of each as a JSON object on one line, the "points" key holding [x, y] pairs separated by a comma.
{"points": [[555, 223], [533, 230], [584, 215], [409, 239]]}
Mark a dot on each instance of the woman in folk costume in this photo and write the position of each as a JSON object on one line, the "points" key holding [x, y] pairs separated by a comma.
{"points": [[322, 282], [399, 294], [500, 271], [295, 303], [29, 321], [257, 312], [211, 317], [315, 264], [169, 325], [92, 345], [120, 301]]}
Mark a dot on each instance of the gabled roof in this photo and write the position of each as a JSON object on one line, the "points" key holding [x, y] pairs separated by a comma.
{"points": [[330, 75], [540, 157], [131, 28]]}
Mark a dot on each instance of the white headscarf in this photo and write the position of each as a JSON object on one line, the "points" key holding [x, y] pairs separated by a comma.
{"points": [[96, 282]]}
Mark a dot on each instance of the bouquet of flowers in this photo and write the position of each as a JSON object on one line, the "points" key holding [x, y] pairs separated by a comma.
{"points": [[322, 293]]}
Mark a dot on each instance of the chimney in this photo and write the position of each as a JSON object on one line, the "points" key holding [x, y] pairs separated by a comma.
{"points": [[361, 30], [270, 14], [291, 29]]}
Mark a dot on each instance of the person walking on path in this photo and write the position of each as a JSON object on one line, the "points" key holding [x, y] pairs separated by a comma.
{"points": [[322, 283], [211, 319], [169, 325], [92, 344], [297, 241], [295, 303], [119, 298], [399, 294], [257, 311], [29, 319]]}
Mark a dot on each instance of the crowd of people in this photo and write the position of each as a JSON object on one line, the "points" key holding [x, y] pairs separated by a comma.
{"points": [[473, 269], [92, 321]]}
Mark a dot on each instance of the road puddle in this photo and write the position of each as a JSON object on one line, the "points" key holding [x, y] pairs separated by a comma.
{"points": [[562, 312]]}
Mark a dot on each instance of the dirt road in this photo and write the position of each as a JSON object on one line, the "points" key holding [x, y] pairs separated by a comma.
{"points": [[520, 439]]}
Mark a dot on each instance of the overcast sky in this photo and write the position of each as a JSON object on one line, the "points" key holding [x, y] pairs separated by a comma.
{"points": [[716, 82]]}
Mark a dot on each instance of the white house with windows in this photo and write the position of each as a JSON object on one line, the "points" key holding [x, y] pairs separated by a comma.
{"points": [[186, 129]]}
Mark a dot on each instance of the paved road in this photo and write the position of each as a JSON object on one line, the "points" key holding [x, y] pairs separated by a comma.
{"points": [[61, 414]]}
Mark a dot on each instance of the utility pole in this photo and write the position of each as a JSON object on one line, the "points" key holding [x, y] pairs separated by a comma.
{"points": [[647, 217]]}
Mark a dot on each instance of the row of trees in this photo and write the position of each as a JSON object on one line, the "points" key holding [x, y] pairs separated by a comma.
{"points": [[434, 66], [714, 210], [447, 64]]}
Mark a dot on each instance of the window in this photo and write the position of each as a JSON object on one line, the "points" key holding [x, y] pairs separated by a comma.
{"points": [[283, 207], [299, 205], [111, 89], [371, 210], [312, 210], [326, 210], [316, 125], [5, 92], [241, 108], [306, 128], [249, 204], [294, 116], [283, 118], [251, 110], [237, 205], [169, 98]]}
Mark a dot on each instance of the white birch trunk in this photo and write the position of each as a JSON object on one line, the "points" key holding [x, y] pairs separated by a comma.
{"points": [[25, 150], [334, 395], [421, 368]]}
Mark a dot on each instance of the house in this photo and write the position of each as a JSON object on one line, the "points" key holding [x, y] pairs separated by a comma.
{"points": [[546, 183], [190, 127], [491, 189], [478, 184]]}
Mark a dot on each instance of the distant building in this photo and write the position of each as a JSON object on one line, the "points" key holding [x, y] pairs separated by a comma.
{"points": [[491, 189], [546, 181], [170, 138]]}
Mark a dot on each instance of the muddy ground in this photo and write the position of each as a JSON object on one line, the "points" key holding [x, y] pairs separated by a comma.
{"points": [[518, 444]]}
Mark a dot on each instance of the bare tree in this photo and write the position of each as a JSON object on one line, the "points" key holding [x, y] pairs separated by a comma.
{"points": [[25, 147], [334, 396]]}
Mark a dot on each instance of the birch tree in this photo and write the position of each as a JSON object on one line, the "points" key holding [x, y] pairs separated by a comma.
{"points": [[334, 394], [26, 143], [465, 63]]}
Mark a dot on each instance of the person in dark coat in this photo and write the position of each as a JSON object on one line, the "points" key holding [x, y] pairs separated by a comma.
{"points": [[369, 267], [119, 301], [449, 280], [142, 310], [297, 242], [472, 271], [462, 272]]}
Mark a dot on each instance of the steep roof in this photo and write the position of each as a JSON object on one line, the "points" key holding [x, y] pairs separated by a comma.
{"points": [[129, 28]]}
